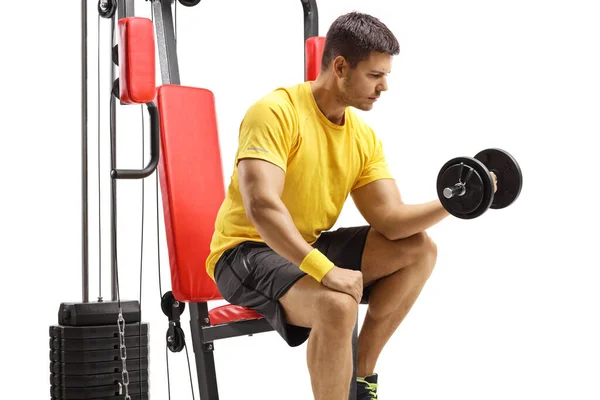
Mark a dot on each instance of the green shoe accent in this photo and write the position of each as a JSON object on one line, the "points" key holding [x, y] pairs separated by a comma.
{"points": [[367, 388]]}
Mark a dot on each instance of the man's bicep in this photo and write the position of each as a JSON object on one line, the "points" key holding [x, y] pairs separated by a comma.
{"points": [[259, 179], [376, 201]]}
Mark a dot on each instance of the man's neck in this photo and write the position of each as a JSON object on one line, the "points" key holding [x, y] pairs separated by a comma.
{"points": [[328, 100]]}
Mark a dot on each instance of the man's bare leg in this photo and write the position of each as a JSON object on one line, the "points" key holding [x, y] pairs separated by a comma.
{"points": [[332, 317], [400, 269]]}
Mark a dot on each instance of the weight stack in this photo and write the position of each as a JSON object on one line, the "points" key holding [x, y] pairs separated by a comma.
{"points": [[85, 357]]}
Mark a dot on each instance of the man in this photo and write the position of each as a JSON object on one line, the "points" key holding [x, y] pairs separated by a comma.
{"points": [[302, 151]]}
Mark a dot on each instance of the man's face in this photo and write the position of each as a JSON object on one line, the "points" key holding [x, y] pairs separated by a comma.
{"points": [[360, 87]]}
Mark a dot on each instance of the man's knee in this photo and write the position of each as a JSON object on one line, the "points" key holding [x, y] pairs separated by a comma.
{"points": [[310, 304], [425, 252], [335, 311], [429, 252]]}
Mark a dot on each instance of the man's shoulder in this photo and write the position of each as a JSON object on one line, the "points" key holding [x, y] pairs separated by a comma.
{"points": [[283, 95], [283, 99]]}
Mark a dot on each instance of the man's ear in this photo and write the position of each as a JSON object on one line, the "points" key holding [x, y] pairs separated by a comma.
{"points": [[340, 67]]}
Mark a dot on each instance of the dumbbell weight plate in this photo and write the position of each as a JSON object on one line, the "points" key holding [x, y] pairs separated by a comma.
{"points": [[479, 187], [510, 177]]}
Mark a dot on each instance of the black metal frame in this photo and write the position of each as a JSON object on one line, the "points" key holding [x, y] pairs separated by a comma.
{"points": [[203, 336], [203, 333], [167, 46]]}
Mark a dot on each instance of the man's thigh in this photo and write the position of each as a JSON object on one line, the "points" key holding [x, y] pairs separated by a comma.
{"points": [[252, 275], [344, 248], [362, 248], [259, 276], [382, 257]]}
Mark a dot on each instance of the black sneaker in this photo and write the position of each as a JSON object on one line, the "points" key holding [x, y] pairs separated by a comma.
{"points": [[366, 389]]}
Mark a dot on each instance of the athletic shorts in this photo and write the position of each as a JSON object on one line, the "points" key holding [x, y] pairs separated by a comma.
{"points": [[252, 275]]}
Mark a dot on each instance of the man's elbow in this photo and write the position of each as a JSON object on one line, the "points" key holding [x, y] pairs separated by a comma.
{"points": [[392, 227], [389, 232], [383, 228]]}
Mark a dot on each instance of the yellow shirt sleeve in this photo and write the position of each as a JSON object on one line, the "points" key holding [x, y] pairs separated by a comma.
{"points": [[376, 166], [268, 131]]}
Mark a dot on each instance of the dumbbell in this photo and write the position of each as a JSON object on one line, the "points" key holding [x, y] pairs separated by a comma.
{"points": [[465, 187]]}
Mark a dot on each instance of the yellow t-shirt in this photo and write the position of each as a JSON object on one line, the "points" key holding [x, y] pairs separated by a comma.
{"points": [[323, 163]]}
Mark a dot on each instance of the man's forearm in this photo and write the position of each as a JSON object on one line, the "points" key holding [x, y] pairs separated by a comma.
{"points": [[275, 226], [410, 219]]}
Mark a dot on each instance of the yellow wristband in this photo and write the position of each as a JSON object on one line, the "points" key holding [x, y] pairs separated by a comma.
{"points": [[316, 264]]}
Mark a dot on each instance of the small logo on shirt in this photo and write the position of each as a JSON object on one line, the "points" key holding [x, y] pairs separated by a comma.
{"points": [[258, 149]]}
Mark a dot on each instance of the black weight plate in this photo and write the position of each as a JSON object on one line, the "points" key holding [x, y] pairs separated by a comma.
{"points": [[99, 313], [468, 202], [143, 396], [479, 187], [96, 355], [96, 344], [82, 381], [95, 392], [95, 332], [508, 171], [107, 367]]}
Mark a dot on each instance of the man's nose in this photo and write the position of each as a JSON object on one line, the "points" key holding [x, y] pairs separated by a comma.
{"points": [[383, 86]]}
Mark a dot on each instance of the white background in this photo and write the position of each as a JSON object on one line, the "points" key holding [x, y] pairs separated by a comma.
{"points": [[511, 312]]}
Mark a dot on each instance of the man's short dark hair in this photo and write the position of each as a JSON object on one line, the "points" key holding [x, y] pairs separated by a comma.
{"points": [[355, 36]]}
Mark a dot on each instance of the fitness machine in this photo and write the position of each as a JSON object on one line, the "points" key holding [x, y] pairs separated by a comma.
{"points": [[100, 350]]}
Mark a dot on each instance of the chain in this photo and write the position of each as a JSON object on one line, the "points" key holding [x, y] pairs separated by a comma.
{"points": [[123, 351]]}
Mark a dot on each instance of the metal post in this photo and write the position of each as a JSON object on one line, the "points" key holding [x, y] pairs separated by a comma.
{"points": [[84, 155], [165, 34], [204, 352], [125, 8], [113, 163]]}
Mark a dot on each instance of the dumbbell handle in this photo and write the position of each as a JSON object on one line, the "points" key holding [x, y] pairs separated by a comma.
{"points": [[458, 189]]}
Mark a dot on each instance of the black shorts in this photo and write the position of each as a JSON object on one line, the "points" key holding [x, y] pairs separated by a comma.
{"points": [[252, 275]]}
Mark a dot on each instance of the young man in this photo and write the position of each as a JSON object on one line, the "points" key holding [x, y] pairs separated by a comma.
{"points": [[302, 151]]}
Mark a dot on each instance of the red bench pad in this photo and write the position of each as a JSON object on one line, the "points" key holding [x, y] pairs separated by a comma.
{"points": [[231, 313]]}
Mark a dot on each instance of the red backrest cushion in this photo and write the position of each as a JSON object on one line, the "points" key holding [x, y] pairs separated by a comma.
{"points": [[314, 53], [192, 186]]}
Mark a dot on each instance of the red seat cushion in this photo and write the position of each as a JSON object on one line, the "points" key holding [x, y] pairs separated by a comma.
{"points": [[231, 313]]}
